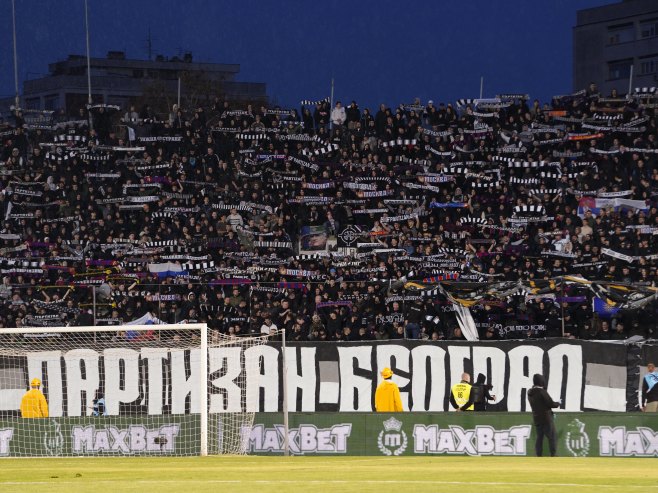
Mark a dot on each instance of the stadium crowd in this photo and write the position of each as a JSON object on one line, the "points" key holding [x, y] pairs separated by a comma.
{"points": [[338, 223]]}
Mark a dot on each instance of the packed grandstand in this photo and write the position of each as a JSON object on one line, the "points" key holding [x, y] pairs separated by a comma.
{"points": [[495, 218]]}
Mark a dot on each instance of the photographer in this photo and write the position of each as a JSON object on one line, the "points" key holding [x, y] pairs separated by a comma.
{"points": [[480, 393]]}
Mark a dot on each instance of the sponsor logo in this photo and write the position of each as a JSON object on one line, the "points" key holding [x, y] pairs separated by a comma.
{"points": [[482, 440], [53, 439], [6, 434], [302, 440], [136, 439], [617, 441], [392, 440], [576, 439]]}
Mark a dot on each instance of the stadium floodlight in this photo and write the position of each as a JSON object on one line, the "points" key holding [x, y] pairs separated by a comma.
{"points": [[129, 390], [89, 100], [13, 22]]}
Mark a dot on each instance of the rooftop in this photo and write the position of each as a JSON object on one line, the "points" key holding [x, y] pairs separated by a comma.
{"points": [[117, 59]]}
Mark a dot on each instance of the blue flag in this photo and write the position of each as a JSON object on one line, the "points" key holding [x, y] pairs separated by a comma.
{"points": [[603, 309], [651, 379]]}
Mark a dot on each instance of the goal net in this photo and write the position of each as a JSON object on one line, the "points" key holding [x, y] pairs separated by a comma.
{"points": [[128, 390]]}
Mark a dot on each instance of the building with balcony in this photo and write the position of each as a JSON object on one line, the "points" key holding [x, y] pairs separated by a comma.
{"points": [[121, 81], [609, 40]]}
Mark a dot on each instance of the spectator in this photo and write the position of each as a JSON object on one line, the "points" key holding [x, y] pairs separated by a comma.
{"points": [[353, 115], [338, 115], [208, 204], [268, 326]]}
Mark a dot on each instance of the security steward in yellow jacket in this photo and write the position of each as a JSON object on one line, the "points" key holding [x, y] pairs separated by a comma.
{"points": [[460, 394], [387, 395], [33, 403]]}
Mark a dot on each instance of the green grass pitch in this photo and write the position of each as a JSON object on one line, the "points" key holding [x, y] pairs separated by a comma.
{"points": [[333, 474]]}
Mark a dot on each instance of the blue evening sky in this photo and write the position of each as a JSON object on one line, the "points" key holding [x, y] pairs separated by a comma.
{"points": [[376, 50]]}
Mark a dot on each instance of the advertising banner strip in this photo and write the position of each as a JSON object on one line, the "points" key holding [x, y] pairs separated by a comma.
{"points": [[350, 434], [467, 434]]}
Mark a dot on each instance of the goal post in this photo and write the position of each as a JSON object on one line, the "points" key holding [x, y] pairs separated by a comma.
{"points": [[127, 390]]}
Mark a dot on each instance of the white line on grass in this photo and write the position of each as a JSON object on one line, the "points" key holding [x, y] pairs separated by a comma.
{"points": [[327, 481]]}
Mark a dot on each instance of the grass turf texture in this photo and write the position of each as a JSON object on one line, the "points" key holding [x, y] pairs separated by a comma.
{"points": [[320, 474]]}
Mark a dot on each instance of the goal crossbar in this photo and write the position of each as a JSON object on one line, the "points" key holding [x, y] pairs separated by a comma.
{"points": [[104, 328]]}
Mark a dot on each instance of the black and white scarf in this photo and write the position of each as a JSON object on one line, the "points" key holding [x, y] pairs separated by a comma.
{"points": [[359, 186], [401, 218], [304, 164], [168, 138], [399, 142], [310, 102], [273, 244], [323, 150]]}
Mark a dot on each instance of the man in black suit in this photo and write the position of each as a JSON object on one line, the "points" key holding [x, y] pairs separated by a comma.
{"points": [[542, 412]]}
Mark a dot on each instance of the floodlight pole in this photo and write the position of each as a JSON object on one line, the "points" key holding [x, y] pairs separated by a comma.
{"points": [[481, 86], [178, 100], [331, 104], [13, 20], [630, 82], [88, 61]]}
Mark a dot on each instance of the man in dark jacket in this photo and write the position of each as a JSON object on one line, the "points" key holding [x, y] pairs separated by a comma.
{"points": [[353, 115], [542, 412], [480, 393]]}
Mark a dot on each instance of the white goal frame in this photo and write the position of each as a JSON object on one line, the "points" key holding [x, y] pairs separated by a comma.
{"points": [[203, 365], [203, 358]]}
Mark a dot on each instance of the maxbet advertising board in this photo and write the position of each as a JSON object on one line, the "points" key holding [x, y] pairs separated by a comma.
{"points": [[372, 434]]}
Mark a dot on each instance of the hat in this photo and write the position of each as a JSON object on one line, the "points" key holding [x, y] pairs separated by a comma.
{"points": [[387, 373], [430, 102], [37, 383]]}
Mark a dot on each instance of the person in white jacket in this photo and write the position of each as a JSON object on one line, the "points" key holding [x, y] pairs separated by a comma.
{"points": [[338, 116]]}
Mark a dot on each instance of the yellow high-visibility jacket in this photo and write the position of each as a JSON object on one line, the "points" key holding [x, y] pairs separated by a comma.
{"points": [[387, 398], [34, 405], [461, 394]]}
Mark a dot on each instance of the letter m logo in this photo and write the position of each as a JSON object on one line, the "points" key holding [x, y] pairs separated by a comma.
{"points": [[392, 440]]}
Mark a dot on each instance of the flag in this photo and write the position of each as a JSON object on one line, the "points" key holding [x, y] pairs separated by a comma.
{"points": [[603, 309], [146, 319], [615, 204], [131, 134], [167, 269]]}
